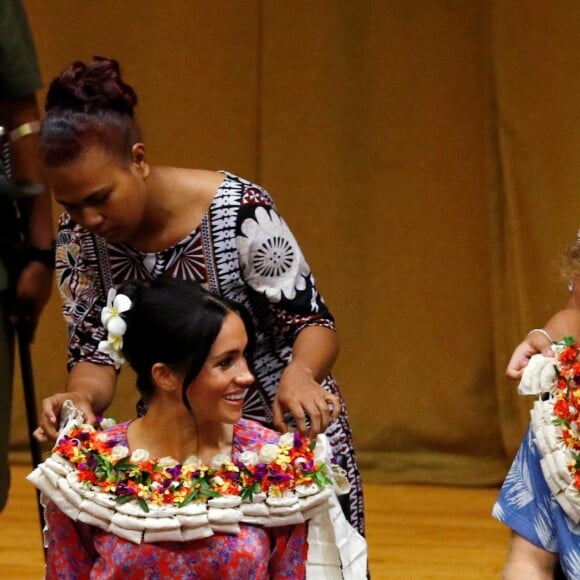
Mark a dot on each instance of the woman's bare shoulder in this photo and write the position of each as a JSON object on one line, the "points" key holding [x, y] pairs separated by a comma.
{"points": [[564, 323], [203, 179]]}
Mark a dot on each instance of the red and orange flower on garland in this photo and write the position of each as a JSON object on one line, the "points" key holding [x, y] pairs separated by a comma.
{"points": [[567, 401], [104, 466]]}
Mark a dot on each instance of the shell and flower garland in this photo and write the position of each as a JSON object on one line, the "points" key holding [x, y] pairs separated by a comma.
{"points": [[555, 419], [94, 480]]}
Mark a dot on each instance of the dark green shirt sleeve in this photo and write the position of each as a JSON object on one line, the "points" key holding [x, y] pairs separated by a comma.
{"points": [[19, 70]]}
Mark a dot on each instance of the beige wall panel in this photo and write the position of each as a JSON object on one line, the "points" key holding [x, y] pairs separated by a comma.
{"points": [[194, 66], [374, 144]]}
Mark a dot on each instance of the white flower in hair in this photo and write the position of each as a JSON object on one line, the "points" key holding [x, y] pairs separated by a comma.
{"points": [[113, 346], [115, 325], [111, 313]]}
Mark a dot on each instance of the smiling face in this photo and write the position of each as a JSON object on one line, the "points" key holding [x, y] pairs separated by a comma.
{"points": [[217, 393], [101, 193]]}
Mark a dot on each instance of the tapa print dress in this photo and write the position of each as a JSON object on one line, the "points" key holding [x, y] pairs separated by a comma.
{"points": [[242, 250]]}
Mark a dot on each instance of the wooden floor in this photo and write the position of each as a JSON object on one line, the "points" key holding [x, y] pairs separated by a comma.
{"points": [[414, 532]]}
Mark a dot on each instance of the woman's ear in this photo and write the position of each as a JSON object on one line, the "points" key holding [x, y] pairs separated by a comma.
{"points": [[139, 159], [165, 379]]}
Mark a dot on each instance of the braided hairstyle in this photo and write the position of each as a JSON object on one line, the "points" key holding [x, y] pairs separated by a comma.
{"points": [[174, 322], [88, 104]]}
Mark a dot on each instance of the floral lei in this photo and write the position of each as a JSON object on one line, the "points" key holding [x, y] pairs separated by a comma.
{"points": [[103, 465], [115, 325], [567, 401]]}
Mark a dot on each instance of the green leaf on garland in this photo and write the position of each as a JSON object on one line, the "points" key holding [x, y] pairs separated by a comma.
{"points": [[189, 498], [248, 492]]}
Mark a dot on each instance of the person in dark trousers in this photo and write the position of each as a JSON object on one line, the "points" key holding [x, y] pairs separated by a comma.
{"points": [[26, 230]]}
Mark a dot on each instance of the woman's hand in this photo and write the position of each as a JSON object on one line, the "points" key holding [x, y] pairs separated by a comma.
{"points": [[564, 323], [50, 415], [299, 394], [534, 343], [90, 387]]}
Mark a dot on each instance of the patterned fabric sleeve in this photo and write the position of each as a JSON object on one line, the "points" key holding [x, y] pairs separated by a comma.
{"points": [[69, 553], [273, 265], [77, 275]]}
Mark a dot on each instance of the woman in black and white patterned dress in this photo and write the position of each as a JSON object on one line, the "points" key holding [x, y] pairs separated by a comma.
{"points": [[126, 219]]}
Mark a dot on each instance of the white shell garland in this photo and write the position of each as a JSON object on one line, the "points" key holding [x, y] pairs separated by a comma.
{"points": [[57, 479]]}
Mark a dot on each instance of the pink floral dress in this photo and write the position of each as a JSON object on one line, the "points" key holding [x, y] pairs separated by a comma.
{"points": [[78, 551]]}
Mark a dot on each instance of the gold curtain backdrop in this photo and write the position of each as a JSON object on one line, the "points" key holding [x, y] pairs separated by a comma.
{"points": [[423, 152]]}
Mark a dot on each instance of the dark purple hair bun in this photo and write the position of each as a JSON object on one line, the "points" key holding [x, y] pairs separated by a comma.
{"points": [[91, 88]]}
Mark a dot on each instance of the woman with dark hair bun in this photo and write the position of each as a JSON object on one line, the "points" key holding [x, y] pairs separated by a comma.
{"points": [[190, 489], [125, 219]]}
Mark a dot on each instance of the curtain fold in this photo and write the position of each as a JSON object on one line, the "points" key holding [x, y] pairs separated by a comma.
{"points": [[535, 207]]}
